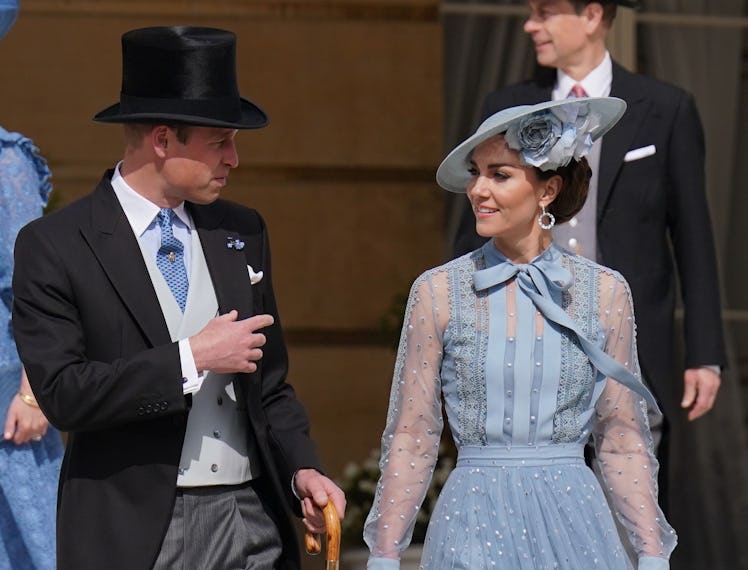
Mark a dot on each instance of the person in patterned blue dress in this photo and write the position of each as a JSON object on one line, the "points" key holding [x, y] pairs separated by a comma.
{"points": [[30, 449], [532, 350]]}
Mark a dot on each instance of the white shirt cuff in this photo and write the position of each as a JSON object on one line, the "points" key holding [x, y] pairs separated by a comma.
{"points": [[191, 380]]}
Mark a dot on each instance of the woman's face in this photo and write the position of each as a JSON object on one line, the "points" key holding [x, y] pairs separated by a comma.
{"points": [[506, 194]]}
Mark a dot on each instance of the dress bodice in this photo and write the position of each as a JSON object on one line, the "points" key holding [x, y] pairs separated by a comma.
{"points": [[509, 374]]}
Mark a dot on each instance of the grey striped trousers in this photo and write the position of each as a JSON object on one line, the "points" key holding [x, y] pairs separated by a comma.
{"points": [[220, 528]]}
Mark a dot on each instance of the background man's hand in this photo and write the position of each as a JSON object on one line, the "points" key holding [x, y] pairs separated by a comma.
{"points": [[700, 391]]}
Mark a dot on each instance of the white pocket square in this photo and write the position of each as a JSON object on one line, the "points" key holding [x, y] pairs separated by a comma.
{"points": [[254, 278], [638, 153]]}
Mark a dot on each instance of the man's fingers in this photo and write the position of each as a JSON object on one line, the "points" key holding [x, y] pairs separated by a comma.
{"points": [[700, 391], [689, 394], [257, 340], [232, 315], [258, 322], [704, 402]]}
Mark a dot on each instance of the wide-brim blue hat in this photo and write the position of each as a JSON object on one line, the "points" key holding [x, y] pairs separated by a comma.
{"points": [[571, 125], [181, 74]]}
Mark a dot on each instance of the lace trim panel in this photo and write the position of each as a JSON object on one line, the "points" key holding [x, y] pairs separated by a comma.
{"points": [[469, 312], [577, 375]]}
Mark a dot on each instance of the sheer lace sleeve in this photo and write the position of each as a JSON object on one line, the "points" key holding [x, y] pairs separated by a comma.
{"points": [[623, 442], [410, 440]]}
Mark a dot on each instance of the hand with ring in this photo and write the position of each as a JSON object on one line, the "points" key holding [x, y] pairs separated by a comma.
{"points": [[24, 422]]}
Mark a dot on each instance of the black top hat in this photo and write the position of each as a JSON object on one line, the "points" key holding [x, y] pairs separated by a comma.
{"points": [[184, 75]]}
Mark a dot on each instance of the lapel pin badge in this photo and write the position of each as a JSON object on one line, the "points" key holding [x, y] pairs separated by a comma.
{"points": [[234, 243]]}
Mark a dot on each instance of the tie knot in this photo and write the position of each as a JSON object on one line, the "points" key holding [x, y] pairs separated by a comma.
{"points": [[577, 91], [165, 216]]}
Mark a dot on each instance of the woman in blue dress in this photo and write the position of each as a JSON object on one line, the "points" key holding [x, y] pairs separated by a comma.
{"points": [[532, 350], [30, 449]]}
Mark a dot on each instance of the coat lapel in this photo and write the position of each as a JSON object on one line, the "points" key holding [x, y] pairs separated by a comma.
{"points": [[113, 243], [619, 139], [228, 272], [227, 265], [539, 90]]}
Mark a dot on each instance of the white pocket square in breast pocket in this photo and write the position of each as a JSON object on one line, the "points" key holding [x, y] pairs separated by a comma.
{"points": [[254, 278], [638, 153]]}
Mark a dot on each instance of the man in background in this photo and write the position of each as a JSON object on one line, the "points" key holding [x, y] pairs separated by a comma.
{"points": [[646, 214]]}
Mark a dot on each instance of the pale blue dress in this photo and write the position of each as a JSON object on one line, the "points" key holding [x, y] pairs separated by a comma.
{"points": [[29, 472], [530, 360]]}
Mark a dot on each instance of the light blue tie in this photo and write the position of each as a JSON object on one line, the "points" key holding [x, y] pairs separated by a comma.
{"points": [[170, 258], [537, 280]]}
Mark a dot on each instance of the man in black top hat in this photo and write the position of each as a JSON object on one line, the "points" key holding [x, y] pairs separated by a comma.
{"points": [[145, 316], [646, 194]]}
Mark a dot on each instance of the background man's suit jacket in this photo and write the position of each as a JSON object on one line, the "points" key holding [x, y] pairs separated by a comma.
{"points": [[643, 207], [100, 360]]}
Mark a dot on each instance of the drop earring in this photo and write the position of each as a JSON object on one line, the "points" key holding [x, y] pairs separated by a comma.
{"points": [[545, 214]]}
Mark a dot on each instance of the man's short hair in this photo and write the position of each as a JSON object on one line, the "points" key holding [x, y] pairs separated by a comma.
{"points": [[609, 8], [134, 132]]}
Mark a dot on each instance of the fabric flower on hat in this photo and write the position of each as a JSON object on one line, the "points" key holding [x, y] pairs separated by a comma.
{"points": [[550, 138]]}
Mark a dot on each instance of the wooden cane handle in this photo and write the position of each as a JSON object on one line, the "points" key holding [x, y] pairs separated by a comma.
{"points": [[313, 543]]}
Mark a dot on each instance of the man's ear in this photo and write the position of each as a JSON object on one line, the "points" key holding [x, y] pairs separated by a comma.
{"points": [[160, 140], [593, 16]]}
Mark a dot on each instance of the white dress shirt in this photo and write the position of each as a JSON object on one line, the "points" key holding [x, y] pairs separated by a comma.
{"points": [[141, 214]]}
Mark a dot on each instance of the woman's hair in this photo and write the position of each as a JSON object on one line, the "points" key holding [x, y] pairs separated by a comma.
{"points": [[576, 183]]}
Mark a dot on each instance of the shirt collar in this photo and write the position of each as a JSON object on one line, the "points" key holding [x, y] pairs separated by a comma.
{"points": [[141, 212], [596, 83]]}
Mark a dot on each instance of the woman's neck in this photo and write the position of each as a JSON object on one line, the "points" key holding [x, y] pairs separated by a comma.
{"points": [[524, 250]]}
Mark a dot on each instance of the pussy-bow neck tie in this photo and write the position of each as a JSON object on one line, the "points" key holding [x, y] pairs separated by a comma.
{"points": [[542, 280]]}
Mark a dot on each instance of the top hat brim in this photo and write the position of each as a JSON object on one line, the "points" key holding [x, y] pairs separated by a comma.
{"points": [[251, 116], [453, 173]]}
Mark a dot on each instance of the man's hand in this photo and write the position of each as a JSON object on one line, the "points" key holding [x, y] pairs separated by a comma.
{"points": [[314, 490], [701, 386], [226, 345]]}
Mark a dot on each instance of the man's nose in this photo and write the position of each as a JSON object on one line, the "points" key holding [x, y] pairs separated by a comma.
{"points": [[531, 25], [231, 156]]}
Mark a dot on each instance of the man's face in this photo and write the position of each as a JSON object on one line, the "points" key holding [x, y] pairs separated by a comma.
{"points": [[197, 170], [560, 34]]}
